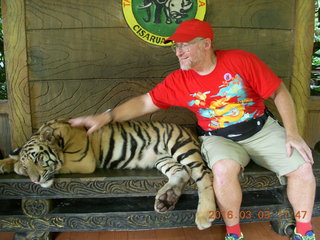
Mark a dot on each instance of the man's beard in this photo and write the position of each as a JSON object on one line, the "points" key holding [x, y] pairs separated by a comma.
{"points": [[185, 67]]}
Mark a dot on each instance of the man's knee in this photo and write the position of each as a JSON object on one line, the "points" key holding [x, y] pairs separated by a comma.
{"points": [[226, 170], [303, 173]]}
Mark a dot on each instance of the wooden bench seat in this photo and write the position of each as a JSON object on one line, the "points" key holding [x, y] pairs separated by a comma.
{"points": [[123, 200]]}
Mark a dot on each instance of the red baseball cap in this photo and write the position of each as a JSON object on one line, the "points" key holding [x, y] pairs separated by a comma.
{"points": [[191, 29]]}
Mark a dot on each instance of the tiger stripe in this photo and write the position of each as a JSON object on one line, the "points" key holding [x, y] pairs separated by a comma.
{"points": [[59, 148]]}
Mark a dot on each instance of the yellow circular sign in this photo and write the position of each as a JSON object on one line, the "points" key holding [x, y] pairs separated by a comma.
{"points": [[155, 20]]}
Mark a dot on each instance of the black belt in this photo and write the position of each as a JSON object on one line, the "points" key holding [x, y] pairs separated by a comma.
{"points": [[238, 131]]}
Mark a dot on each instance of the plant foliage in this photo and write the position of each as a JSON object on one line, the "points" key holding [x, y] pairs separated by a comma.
{"points": [[315, 73], [3, 84]]}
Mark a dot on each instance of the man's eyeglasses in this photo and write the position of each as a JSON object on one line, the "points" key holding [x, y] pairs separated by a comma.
{"points": [[185, 46]]}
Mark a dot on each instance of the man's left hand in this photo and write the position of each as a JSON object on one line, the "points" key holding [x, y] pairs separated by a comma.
{"points": [[300, 145]]}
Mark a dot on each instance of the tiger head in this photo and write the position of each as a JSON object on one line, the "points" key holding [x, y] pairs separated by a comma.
{"points": [[39, 158]]}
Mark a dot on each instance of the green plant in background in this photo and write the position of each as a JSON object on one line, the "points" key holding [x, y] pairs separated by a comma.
{"points": [[3, 84], [315, 73]]}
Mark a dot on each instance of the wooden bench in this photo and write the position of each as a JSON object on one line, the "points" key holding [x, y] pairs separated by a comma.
{"points": [[123, 200]]}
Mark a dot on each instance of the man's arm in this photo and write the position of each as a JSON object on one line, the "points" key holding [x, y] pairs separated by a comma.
{"points": [[131, 109], [285, 106]]}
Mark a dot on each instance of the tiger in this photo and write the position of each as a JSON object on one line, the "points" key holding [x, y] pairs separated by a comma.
{"points": [[58, 148]]}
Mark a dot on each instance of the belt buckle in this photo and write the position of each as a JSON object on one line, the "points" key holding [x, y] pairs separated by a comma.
{"points": [[210, 133]]}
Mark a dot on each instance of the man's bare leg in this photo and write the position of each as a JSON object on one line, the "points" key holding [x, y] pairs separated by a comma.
{"points": [[228, 190], [301, 194]]}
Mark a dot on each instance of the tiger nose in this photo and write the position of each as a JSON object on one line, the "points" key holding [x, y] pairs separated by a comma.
{"points": [[36, 180]]}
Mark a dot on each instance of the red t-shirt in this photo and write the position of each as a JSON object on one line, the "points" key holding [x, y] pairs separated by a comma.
{"points": [[232, 93]]}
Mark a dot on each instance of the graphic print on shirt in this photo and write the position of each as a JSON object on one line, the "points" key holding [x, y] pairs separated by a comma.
{"points": [[227, 107], [200, 99]]}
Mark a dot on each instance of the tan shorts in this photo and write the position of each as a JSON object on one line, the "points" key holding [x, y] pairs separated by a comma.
{"points": [[266, 148]]}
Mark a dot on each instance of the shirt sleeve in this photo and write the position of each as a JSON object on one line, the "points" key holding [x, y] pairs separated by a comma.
{"points": [[163, 93], [261, 78]]}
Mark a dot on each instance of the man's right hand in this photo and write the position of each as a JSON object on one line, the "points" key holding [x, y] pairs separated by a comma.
{"points": [[133, 108], [92, 122]]}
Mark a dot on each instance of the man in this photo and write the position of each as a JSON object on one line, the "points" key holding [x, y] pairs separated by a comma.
{"points": [[226, 91]]}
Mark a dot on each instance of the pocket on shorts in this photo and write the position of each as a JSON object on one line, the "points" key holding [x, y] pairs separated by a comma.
{"points": [[215, 148]]}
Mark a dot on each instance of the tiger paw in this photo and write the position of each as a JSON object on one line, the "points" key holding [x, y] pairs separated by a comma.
{"points": [[204, 215], [203, 221], [19, 169], [6, 165], [166, 201]]}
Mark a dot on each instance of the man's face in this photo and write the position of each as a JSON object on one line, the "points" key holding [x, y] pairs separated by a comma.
{"points": [[189, 53]]}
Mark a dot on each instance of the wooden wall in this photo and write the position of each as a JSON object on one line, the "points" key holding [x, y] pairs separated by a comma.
{"points": [[13, 14], [85, 60], [77, 57], [312, 135], [5, 140]]}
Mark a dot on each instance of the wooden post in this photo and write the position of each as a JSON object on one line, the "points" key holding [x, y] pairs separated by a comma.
{"points": [[13, 13], [303, 45]]}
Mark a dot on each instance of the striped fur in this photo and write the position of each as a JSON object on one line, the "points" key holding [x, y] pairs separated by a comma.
{"points": [[59, 148]]}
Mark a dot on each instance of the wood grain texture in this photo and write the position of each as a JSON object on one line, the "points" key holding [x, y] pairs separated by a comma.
{"points": [[299, 87], [48, 14], [260, 14], [4, 107], [314, 103], [17, 71], [170, 234], [95, 53], [6, 235], [5, 136], [83, 58], [274, 47], [261, 231], [312, 133], [115, 53], [84, 97], [53, 99], [5, 141]]}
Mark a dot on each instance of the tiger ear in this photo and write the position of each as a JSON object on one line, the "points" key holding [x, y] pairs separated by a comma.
{"points": [[46, 134]]}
